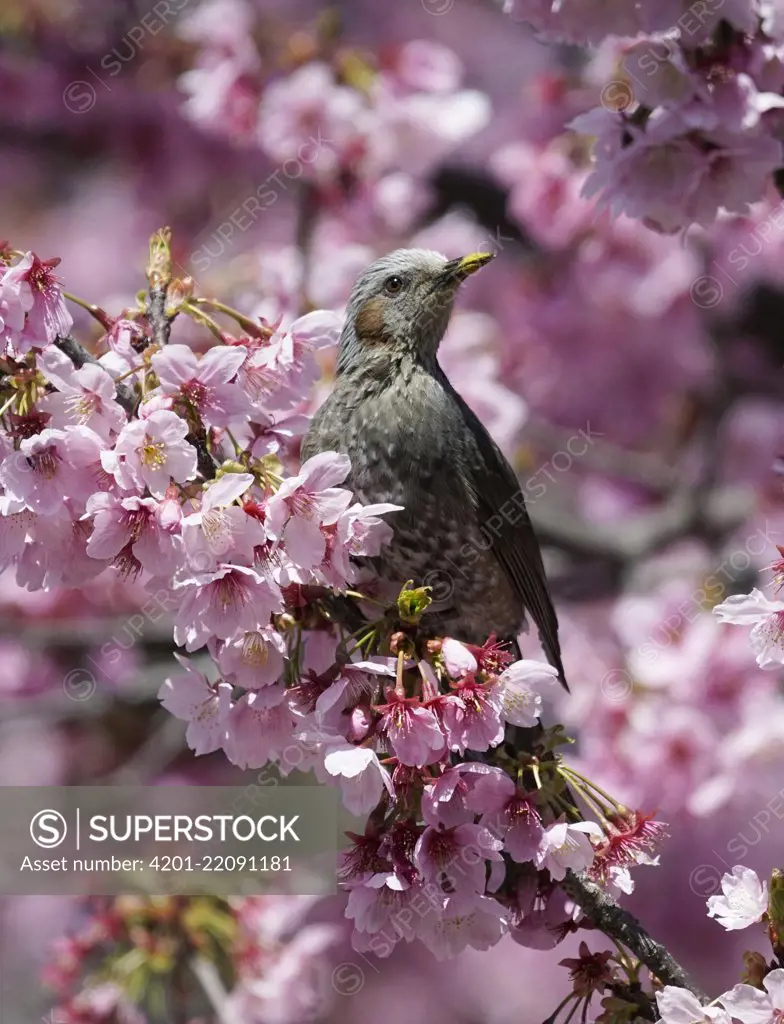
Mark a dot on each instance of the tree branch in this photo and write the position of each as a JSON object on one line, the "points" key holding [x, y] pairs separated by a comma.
{"points": [[159, 278], [613, 920], [156, 312], [723, 511], [204, 460]]}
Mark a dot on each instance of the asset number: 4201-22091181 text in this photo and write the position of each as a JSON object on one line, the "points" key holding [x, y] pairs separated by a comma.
{"points": [[220, 862]]}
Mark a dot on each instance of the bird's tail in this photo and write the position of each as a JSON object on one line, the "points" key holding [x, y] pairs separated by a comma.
{"points": [[553, 652]]}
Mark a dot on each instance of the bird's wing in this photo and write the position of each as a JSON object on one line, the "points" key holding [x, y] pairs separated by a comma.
{"points": [[501, 510]]}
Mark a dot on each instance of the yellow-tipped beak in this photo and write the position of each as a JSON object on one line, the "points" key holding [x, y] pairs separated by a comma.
{"points": [[456, 271], [473, 262]]}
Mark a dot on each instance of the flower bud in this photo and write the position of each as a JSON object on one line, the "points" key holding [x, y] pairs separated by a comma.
{"points": [[412, 603], [180, 290], [755, 968], [160, 266]]}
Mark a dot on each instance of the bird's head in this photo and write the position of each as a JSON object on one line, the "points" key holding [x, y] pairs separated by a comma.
{"points": [[401, 304]]}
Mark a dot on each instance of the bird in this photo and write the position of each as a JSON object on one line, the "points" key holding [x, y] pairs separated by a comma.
{"points": [[412, 441]]}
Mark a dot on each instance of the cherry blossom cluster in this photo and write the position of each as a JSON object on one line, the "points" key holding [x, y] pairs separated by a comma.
{"points": [[690, 119], [464, 841], [160, 461], [87, 488], [324, 118], [462, 849]]}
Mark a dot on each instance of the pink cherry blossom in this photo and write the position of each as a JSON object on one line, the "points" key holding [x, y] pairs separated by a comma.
{"points": [[467, 921], [667, 175], [256, 733], [57, 553], [255, 660], [15, 523], [591, 22], [362, 778], [32, 308], [411, 729], [455, 858], [679, 1006], [204, 382], [16, 298], [293, 987], [767, 619], [458, 660], [751, 1006], [205, 706], [277, 435], [355, 686], [315, 330], [85, 396], [359, 532], [423, 127], [52, 466], [472, 717], [428, 66], [384, 900], [545, 191], [307, 118], [540, 919], [131, 531], [519, 688], [447, 800], [222, 531], [277, 374], [230, 600], [743, 899], [509, 814], [304, 502], [567, 847], [152, 452], [122, 336]]}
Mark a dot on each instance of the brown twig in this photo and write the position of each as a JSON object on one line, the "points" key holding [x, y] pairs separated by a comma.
{"points": [[159, 277], [618, 923], [160, 322], [646, 533]]}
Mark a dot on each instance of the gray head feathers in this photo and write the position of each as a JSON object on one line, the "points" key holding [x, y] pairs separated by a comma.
{"points": [[401, 305]]}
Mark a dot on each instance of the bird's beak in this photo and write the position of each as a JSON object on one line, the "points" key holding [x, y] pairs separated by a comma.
{"points": [[456, 271]]}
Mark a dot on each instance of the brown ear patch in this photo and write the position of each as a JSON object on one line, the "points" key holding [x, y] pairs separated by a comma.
{"points": [[370, 321]]}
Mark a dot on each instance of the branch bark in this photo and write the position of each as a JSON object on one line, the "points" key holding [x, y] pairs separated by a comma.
{"points": [[204, 460], [156, 311], [613, 920], [685, 512]]}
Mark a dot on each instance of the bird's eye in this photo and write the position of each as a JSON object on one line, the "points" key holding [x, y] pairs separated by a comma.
{"points": [[393, 285]]}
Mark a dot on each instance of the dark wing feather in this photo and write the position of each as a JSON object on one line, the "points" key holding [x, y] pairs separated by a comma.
{"points": [[514, 541]]}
